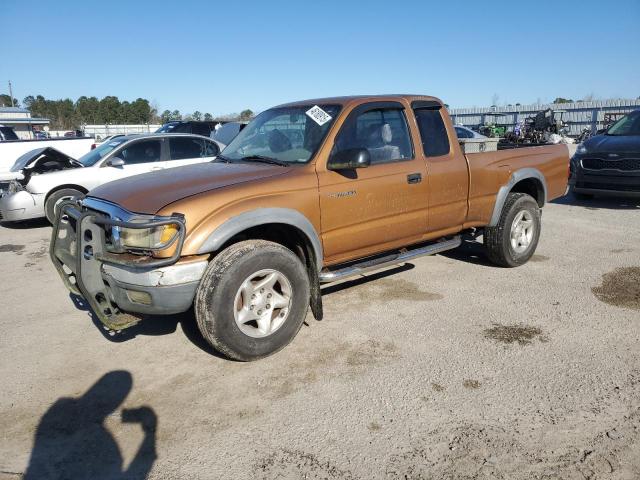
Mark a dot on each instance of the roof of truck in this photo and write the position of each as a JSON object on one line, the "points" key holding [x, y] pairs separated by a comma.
{"points": [[359, 98]]}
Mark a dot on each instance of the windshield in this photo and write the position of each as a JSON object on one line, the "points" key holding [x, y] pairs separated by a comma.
{"points": [[286, 134], [629, 125], [100, 151]]}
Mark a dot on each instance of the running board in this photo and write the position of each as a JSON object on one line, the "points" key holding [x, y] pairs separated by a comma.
{"points": [[327, 276]]}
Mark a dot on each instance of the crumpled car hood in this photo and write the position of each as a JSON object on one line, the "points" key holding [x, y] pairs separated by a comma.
{"points": [[613, 144], [150, 192], [40, 160]]}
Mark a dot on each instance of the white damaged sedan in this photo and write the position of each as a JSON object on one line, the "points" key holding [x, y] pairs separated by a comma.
{"points": [[43, 178]]}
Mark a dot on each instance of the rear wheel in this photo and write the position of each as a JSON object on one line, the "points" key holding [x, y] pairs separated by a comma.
{"points": [[56, 198], [514, 239], [252, 299]]}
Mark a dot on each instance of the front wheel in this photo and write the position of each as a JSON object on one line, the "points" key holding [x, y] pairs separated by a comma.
{"points": [[56, 198], [252, 299], [514, 239]]}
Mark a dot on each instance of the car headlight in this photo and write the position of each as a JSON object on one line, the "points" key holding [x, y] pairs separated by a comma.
{"points": [[581, 150], [155, 238], [15, 187]]}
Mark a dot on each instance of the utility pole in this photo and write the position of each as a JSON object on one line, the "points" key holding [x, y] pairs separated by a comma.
{"points": [[11, 93]]}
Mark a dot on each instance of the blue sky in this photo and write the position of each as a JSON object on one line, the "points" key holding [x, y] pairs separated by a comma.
{"points": [[225, 56]]}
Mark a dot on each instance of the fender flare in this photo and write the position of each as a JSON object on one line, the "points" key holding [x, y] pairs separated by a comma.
{"points": [[262, 216], [516, 177]]}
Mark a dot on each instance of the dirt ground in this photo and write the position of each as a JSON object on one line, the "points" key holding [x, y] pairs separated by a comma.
{"points": [[445, 368]]}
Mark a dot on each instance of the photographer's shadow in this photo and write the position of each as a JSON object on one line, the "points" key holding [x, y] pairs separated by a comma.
{"points": [[72, 442]]}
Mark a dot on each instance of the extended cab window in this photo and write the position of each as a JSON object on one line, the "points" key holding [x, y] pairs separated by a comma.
{"points": [[433, 133], [145, 151], [185, 147], [383, 132]]}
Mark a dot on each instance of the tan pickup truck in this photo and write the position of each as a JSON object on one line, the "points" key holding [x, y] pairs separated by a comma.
{"points": [[309, 192]]}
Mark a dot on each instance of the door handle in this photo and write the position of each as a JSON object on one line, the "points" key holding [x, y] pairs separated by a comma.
{"points": [[414, 178], [157, 168]]}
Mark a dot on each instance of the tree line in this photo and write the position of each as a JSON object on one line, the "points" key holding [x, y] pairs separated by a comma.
{"points": [[65, 114]]}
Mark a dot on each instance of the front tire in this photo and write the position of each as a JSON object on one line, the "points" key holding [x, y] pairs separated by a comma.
{"points": [[514, 239], [252, 299], [56, 198]]}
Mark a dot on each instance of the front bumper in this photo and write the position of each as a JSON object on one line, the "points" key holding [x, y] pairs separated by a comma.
{"points": [[21, 205], [120, 288], [606, 181]]}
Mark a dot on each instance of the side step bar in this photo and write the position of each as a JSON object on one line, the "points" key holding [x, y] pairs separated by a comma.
{"points": [[327, 276]]}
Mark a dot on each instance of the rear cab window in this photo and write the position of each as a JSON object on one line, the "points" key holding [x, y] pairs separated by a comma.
{"points": [[433, 132]]}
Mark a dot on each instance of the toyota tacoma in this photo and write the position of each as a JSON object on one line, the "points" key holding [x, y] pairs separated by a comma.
{"points": [[308, 193]]}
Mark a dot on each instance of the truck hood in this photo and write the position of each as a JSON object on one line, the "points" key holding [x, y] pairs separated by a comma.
{"points": [[613, 144], [150, 192], [40, 160]]}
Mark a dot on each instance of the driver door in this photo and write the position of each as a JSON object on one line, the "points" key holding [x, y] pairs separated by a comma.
{"points": [[382, 206]]}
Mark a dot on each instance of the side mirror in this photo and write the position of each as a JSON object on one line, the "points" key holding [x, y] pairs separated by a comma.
{"points": [[115, 162], [349, 159]]}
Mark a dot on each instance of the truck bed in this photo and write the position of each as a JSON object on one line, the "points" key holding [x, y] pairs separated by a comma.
{"points": [[489, 171]]}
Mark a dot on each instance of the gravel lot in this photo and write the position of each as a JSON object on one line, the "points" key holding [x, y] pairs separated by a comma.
{"points": [[444, 368]]}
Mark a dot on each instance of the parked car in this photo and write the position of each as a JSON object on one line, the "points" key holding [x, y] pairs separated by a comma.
{"points": [[74, 134], [7, 134], [309, 192], [41, 179], [189, 126], [609, 164], [226, 132], [41, 135], [464, 132]]}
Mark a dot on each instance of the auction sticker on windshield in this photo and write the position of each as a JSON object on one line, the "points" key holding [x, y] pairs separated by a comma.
{"points": [[318, 115]]}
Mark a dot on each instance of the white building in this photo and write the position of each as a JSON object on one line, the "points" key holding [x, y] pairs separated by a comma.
{"points": [[22, 122]]}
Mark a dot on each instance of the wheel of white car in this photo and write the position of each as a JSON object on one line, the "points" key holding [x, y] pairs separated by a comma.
{"points": [[56, 198], [252, 299]]}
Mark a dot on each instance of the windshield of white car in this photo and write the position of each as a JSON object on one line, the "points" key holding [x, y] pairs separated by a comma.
{"points": [[626, 126], [95, 155], [284, 134]]}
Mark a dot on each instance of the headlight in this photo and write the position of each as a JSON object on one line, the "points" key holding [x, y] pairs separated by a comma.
{"points": [[581, 150], [15, 187], [155, 238]]}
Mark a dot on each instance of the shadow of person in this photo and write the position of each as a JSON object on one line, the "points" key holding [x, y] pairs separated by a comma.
{"points": [[72, 442]]}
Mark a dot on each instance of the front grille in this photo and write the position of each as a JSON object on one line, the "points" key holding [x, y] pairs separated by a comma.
{"points": [[624, 165]]}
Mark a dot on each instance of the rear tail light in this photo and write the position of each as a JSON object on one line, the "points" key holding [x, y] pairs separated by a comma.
{"points": [[93, 145]]}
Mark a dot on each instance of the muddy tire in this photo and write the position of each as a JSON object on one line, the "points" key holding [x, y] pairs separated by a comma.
{"points": [[514, 239], [252, 300], [52, 202]]}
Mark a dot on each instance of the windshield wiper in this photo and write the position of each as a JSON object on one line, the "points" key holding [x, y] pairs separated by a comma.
{"points": [[222, 158], [263, 159]]}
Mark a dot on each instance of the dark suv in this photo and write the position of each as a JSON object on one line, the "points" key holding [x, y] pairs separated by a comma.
{"points": [[609, 164], [189, 126]]}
